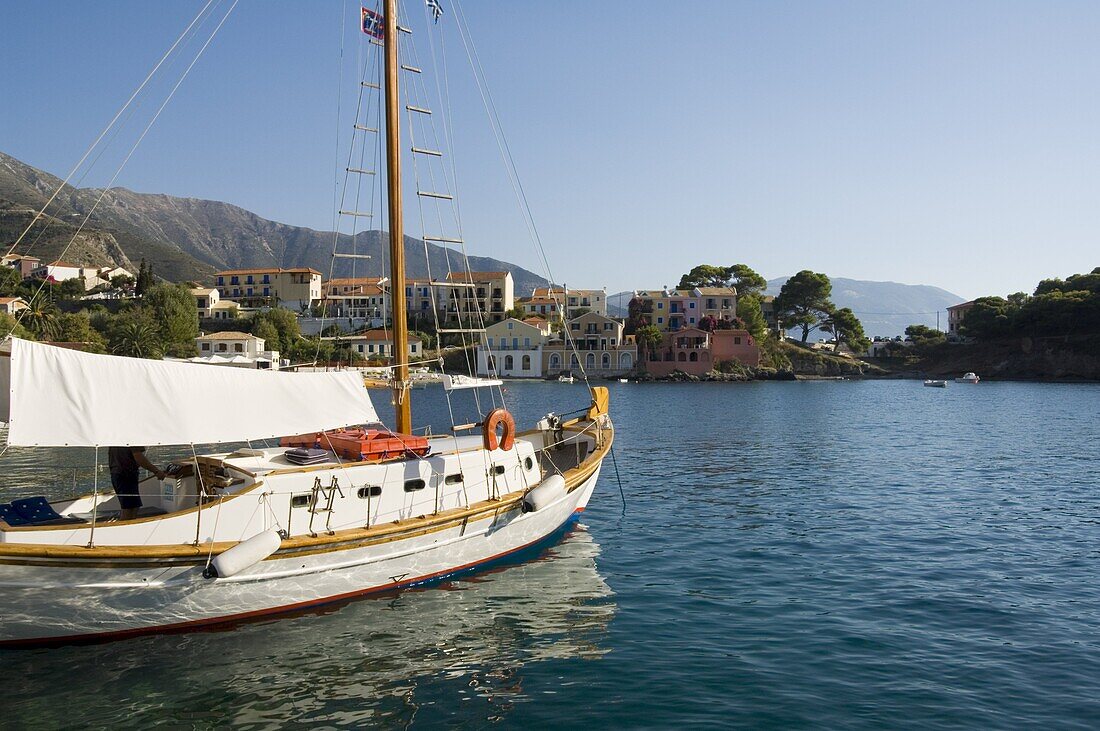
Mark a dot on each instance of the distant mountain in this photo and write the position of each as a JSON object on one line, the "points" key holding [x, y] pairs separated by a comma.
{"points": [[189, 238], [887, 308]]}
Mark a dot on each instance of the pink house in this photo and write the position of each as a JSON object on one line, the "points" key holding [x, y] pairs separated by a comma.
{"points": [[696, 351], [735, 345]]}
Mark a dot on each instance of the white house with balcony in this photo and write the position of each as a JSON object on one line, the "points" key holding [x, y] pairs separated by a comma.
{"points": [[233, 348], [513, 349]]}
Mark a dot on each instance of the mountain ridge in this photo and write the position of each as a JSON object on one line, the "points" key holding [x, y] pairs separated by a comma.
{"points": [[190, 238]]}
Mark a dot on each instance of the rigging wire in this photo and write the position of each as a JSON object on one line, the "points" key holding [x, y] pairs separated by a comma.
{"points": [[114, 119], [133, 148], [513, 174]]}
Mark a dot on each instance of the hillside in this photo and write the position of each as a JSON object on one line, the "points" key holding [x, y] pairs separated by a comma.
{"points": [[189, 238], [887, 308]]}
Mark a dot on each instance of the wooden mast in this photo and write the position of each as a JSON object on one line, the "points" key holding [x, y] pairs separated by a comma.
{"points": [[397, 229]]}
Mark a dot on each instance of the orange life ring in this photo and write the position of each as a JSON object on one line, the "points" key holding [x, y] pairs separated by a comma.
{"points": [[496, 418]]}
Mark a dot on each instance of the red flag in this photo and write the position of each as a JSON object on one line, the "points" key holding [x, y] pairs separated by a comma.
{"points": [[372, 24]]}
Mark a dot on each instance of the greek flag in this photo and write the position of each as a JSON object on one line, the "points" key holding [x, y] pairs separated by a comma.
{"points": [[372, 24], [436, 8]]}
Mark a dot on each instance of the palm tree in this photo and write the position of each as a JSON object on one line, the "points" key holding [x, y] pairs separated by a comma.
{"points": [[40, 318], [138, 338]]}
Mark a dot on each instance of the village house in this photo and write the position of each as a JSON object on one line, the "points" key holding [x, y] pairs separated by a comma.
{"points": [[20, 263], [378, 344], [210, 306], [513, 349], [955, 315], [91, 276], [575, 301], [234, 348], [12, 305], [545, 307], [356, 298], [594, 341], [295, 288], [696, 352], [718, 302], [468, 293], [672, 309]]}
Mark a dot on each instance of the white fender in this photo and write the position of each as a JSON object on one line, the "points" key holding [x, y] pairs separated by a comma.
{"points": [[544, 493], [244, 554]]}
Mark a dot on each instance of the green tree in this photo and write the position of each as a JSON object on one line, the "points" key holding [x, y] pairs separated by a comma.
{"points": [[517, 312], [122, 281], [923, 336], [638, 312], [989, 318], [145, 279], [804, 301], [76, 327], [10, 326], [847, 329], [751, 313], [746, 280], [71, 289], [705, 275], [136, 334], [649, 338], [10, 281], [283, 323], [173, 307], [40, 318]]}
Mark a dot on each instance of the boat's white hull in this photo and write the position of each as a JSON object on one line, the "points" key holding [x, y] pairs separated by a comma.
{"points": [[51, 603]]}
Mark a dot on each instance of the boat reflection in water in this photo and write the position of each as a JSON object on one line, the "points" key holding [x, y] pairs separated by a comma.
{"points": [[391, 659]]}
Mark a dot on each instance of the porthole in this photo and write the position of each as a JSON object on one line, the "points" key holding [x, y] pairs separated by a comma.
{"points": [[499, 469], [300, 501], [414, 485], [369, 491], [453, 479], [528, 464]]}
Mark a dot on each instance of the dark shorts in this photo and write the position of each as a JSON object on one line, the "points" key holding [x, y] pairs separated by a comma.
{"points": [[126, 488]]}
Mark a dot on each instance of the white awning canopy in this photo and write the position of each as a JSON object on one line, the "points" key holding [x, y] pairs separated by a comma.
{"points": [[55, 397]]}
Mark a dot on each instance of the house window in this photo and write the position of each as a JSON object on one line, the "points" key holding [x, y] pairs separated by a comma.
{"points": [[555, 361], [238, 348], [526, 362], [691, 306], [267, 291], [206, 346], [660, 320], [527, 342], [221, 280], [509, 364], [222, 347], [606, 361], [737, 341], [234, 280], [248, 280], [574, 326]]}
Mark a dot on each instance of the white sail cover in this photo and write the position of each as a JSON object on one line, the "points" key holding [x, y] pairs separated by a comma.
{"points": [[55, 397]]}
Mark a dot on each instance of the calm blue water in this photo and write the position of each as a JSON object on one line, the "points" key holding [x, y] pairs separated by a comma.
{"points": [[791, 555]]}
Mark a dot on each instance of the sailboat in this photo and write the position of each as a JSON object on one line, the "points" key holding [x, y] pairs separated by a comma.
{"points": [[246, 531]]}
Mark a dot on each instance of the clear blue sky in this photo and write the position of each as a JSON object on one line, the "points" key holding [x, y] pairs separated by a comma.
{"points": [[930, 143]]}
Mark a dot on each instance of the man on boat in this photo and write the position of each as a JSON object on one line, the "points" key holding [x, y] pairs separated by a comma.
{"points": [[126, 464]]}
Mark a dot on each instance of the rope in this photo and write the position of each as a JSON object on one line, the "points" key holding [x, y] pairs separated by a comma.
{"points": [[110, 124], [130, 154]]}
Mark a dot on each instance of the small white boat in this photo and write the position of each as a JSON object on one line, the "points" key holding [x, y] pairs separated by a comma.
{"points": [[566, 379], [624, 380], [935, 384], [968, 378]]}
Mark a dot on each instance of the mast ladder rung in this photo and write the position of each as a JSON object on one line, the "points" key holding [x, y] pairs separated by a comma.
{"points": [[403, 29], [369, 85], [461, 285], [376, 42], [361, 171], [363, 128], [429, 194], [461, 330], [420, 110], [338, 255], [442, 240], [412, 69], [360, 214]]}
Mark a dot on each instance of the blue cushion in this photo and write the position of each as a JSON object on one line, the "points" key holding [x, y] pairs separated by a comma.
{"points": [[9, 515], [35, 509]]}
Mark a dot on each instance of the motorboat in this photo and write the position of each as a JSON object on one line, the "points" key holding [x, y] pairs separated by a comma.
{"points": [[970, 377]]}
